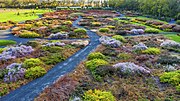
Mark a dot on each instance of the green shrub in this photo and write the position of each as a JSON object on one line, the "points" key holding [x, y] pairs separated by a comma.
{"points": [[111, 27], [152, 51], [68, 22], [96, 55], [96, 24], [80, 31], [119, 37], [115, 19], [52, 49], [104, 30], [1, 50], [28, 34], [7, 42], [92, 64], [32, 62], [124, 56], [98, 95], [53, 59], [178, 88], [172, 78], [151, 30], [178, 22], [35, 72]]}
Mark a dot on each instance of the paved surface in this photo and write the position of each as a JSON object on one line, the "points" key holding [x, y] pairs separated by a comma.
{"points": [[31, 90]]}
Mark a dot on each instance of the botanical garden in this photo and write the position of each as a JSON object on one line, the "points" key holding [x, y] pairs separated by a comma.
{"points": [[89, 50]]}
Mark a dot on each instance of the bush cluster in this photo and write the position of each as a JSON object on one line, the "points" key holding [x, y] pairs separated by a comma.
{"points": [[150, 30], [172, 78], [124, 56], [104, 30], [32, 62], [7, 42], [96, 55], [96, 24], [92, 64], [119, 37], [35, 72], [152, 51], [98, 95], [80, 31], [29, 34]]}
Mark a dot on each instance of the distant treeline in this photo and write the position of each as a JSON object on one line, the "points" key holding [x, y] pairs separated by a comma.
{"points": [[157, 8]]}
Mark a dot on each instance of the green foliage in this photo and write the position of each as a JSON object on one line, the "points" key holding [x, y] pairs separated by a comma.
{"points": [[111, 27], [96, 55], [35, 72], [53, 59], [96, 24], [152, 51], [119, 37], [174, 37], [98, 95], [92, 64], [172, 78], [68, 22], [178, 22], [3, 72], [28, 34], [52, 49], [116, 19], [32, 62], [124, 56], [167, 59], [178, 88], [104, 30], [151, 30], [80, 31], [7, 42]]}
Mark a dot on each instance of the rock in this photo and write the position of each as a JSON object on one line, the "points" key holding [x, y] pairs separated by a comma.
{"points": [[131, 68], [110, 42]]}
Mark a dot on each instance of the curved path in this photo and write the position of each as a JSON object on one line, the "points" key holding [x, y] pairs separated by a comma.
{"points": [[31, 90]]}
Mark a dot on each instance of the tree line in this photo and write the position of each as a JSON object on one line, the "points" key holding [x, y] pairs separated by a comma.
{"points": [[157, 8]]}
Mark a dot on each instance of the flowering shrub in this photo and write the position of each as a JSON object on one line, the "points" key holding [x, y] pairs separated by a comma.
{"points": [[15, 72], [104, 30], [150, 30], [28, 34], [14, 52], [128, 67], [54, 44], [153, 51], [80, 31], [171, 77], [140, 46], [98, 95], [32, 62], [110, 42], [35, 72], [137, 31], [59, 36], [96, 55], [170, 43], [92, 64], [119, 37], [80, 43]]}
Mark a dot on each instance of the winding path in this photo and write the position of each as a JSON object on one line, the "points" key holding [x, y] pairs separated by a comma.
{"points": [[31, 90]]}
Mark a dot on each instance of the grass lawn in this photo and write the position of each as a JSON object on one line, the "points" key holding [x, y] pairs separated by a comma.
{"points": [[24, 14], [174, 37], [7, 42]]}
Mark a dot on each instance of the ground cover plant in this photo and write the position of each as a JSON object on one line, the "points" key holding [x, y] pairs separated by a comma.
{"points": [[7, 42]]}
